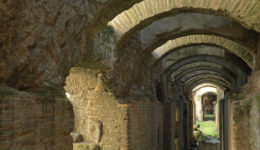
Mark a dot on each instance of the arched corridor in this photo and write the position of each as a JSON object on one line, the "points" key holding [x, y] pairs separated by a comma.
{"points": [[129, 75]]}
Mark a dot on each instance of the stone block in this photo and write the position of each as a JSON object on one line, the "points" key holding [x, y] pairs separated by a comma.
{"points": [[76, 137], [93, 130], [85, 146]]}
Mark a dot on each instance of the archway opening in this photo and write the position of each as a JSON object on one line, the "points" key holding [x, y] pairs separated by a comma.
{"points": [[206, 123]]}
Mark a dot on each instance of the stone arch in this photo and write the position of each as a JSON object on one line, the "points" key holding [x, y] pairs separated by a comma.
{"points": [[244, 53], [200, 71], [210, 77], [210, 90], [190, 86], [195, 65], [184, 53], [245, 12], [182, 24], [189, 70], [204, 58], [190, 50], [197, 100], [203, 85]]}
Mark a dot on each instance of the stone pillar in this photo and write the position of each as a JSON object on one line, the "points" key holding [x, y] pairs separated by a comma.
{"points": [[194, 112], [221, 123], [182, 126], [240, 126], [220, 95], [226, 122], [165, 87], [190, 122], [178, 125], [255, 79], [168, 125], [199, 110], [173, 117]]}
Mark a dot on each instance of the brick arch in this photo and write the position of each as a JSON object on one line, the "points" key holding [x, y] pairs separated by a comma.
{"points": [[186, 23], [212, 59], [246, 12], [204, 58], [203, 85], [185, 75], [190, 50], [209, 76], [190, 66], [239, 50], [191, 85], [209, 91], [202, 66], [224, 72]]}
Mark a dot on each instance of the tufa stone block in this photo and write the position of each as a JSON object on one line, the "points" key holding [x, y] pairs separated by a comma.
{"points": [[85, 146]]}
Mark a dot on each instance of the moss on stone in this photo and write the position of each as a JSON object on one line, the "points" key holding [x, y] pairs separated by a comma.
{"points": [[237, 97], [6, 91], [258, 102], [49, 89], [258, 107], [91, 64], [106, 34], [242, 110]]}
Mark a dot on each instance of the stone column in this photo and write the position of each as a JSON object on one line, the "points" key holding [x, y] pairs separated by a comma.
{"points": [[182, 125], [254, 82], [220, 95], [198, 105], [194, 111]]}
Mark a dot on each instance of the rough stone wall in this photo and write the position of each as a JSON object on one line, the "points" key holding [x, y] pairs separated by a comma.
{"points": [[112, 123], [145, 125], [245, 120], [255, 123], [39, 36], [40, 41], [131, 73], [99, 117], [30, 122], [245, 133], [209, 146], [240, 125], [105, 47]]}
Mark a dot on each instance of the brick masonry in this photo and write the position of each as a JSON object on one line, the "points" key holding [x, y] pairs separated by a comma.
{"points": [[31, 122]]}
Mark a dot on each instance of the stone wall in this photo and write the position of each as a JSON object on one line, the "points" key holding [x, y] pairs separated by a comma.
{"points": [[240, 128], [112, 123], [245, 123], [169, 125], [209, 146], [255, 123], [99, 118], [30, 122]]}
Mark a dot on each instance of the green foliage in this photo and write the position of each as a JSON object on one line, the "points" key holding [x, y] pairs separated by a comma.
{"points": [[208, 128], [209, 115]]}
